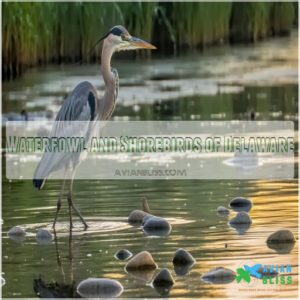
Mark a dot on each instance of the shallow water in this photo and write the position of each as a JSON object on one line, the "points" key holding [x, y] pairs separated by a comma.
{"points": [[231, 83], [190, 207]]}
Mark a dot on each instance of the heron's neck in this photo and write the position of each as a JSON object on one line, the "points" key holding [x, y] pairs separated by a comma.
{"points": [[107, 52], [107, 102]]}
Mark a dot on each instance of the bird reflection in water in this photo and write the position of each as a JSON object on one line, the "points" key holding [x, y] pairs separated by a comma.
{"points": [[64, 289]]}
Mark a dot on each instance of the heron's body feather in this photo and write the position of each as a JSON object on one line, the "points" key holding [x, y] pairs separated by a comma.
{"points": [[85, 107], [77, 106]]}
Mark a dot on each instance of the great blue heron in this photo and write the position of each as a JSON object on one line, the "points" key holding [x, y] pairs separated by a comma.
{"points": [[84, 104]]}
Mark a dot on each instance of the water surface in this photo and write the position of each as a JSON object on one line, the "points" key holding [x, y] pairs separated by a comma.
{"points": [[223, 84]]}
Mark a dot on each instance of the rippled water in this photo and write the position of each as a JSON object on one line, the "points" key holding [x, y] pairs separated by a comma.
{"points": [[190, 206]]}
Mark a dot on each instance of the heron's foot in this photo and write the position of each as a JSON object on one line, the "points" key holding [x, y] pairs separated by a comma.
{"points": [[72, 206], [80, 216], [85, 226]]}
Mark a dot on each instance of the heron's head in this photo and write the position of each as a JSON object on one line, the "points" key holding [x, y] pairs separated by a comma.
{"points": [[120, 39]]}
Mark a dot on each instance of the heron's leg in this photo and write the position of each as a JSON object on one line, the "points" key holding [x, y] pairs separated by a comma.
{"points": [[75, 208], [58, 205], [70, 209]]}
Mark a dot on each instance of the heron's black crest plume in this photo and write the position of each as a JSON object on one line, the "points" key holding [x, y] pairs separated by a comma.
{"points": [[116, 30], [101, 39]]}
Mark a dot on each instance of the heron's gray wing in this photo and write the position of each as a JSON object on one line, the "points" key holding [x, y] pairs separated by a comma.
{"points": [[79, 106]]}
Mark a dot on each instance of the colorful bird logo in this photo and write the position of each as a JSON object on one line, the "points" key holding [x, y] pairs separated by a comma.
{"points": [[242, 275], [246, 273]]}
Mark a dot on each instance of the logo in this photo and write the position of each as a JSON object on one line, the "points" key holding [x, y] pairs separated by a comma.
{"points": [[268, 274], [245, 274]]}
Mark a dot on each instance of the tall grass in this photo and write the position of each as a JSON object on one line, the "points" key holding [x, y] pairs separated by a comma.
{"points": [[250, 21], [36, 33], [201, 24], [282, 17]]}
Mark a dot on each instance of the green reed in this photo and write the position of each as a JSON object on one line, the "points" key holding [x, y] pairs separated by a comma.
{"points": [[36, 33]]}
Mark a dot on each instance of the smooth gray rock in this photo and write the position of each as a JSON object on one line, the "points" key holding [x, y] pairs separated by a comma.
{"points": [[281, 236], [163, 282], [156, 226], [136, 217], [240, 204], [183, 257], [16, 231], [99, 288], [240, 228], [142, 260], [282, 241], [241, 222], [281, 248], [153, 222], [163, 278], [223, 210], [146, 218], [219, 275], [182, 270], [44, 236], [17, 234], [123, 254], [241, 218]]}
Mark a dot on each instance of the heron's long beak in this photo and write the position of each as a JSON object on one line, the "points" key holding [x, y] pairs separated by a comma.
{"points": [[140, 44]]}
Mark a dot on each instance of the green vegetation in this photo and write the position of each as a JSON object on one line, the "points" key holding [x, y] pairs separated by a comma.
{"points": [[282, 16], [201, 24], [250, 22], [36, 33]]}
